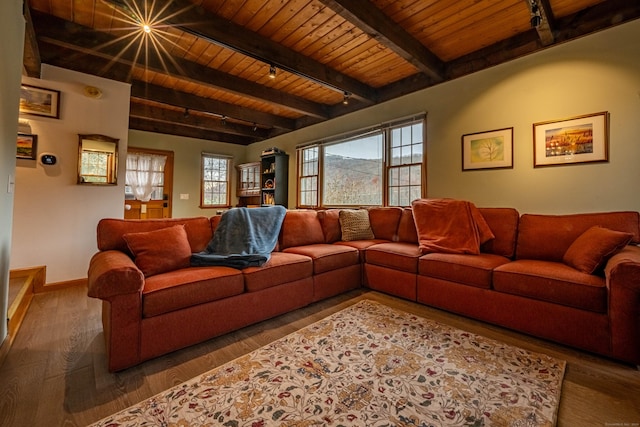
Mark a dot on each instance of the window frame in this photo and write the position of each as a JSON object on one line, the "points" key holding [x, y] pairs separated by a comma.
{"points": [[386, 129], [227, 181]]}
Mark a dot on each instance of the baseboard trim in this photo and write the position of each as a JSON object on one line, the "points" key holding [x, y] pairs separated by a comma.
{"points": [[55, 286]]}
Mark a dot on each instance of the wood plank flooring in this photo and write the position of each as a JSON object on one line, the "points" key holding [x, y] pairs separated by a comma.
{"points": [[55, 375]]}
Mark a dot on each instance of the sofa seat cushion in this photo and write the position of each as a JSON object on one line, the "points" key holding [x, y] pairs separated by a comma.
{"points": [[327, 257], [281, 268], [472, 270], [361, 245], [553, 282], [397, 255], [187, 287]]}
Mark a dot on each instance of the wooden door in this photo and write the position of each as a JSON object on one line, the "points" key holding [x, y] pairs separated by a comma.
{"points": [[160, 206]]}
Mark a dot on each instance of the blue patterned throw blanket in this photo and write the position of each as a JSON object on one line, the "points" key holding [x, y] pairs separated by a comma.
{"points": [[244, 238]]}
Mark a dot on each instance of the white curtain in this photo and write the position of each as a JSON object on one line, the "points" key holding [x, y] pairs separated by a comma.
{"points": [[144, 171]]}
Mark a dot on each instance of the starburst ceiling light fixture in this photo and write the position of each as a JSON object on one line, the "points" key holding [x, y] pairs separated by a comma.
{"points": [[536, 18], [144, 31]]}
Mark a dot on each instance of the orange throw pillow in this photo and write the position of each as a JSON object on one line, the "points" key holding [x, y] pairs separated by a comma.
{"points": [[593, 248], [160, 251]]}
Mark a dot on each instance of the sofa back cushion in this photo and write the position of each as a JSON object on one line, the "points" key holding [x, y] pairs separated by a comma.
{"points": [[384, 222], [503, 222], [547, 237], [330, 222], [407, 231], [111, 230], [300, 227]]}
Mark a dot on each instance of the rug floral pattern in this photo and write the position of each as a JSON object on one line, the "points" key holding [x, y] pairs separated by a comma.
{"points": [[367, 365]]}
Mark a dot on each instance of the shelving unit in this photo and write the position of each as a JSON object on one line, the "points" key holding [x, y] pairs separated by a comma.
{"points": [[274, 179]]}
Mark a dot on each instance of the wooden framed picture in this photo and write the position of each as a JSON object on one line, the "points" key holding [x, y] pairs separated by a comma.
{"points": [[488, 150], [39, 101], [27, 146], [580, 139]]}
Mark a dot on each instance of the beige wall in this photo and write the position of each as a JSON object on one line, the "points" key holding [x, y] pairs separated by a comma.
{"points": [[55, 218], [11, 44], [597, 73], [186, 175]]}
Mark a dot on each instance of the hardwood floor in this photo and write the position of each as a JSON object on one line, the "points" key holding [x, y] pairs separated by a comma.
{"points": [[55, 375]]}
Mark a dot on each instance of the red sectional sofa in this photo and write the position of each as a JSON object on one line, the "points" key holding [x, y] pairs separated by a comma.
{"points": [[519, 280]]}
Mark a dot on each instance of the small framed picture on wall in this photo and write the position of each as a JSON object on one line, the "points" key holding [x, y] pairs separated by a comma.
{"points": [[27, 146], [38, 101], [491, 149]]}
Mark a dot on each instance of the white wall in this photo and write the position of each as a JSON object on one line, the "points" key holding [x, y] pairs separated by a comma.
{"points": [[11, 47], [54, 218], [596, 73], [186, 174]]}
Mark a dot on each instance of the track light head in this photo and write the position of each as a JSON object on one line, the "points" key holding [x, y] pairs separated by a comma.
{"points": [[536, 18], [272, 71]]}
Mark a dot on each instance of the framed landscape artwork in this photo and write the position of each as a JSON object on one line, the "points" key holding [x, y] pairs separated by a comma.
{"points": [[578, 139], [26, 147], [39, 101], [488, 150]]}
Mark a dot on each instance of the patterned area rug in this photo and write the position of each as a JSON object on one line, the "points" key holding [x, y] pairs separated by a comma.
{"points": [[367, 365]]}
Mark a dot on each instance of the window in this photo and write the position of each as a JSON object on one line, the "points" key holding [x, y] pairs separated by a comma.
{"points": [[95, 166], [405, 164], [215, 181], [352, 172], [309, 176], [144, 179], [376, 167]]}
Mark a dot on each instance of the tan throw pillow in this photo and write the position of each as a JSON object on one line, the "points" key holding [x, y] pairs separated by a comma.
{"points": [[593, 248], [355, 225], [160, 251]]}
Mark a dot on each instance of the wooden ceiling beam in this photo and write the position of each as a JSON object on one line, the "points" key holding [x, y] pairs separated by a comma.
{"points": [[69, 35], [377, 25], [142, 90], [31, 55], [595, 18], [194, 120], [186, 131], [97, 66], [205, 25]]}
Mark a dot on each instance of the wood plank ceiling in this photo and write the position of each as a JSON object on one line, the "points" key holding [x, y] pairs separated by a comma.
{"points": [[203, 69]]}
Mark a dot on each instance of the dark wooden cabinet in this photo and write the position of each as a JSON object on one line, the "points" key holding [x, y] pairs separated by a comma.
{"points": [[274, 179], [248, 190]]}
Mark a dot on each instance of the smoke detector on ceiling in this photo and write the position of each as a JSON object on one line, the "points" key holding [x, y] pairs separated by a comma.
{"points": [[92, 92]]}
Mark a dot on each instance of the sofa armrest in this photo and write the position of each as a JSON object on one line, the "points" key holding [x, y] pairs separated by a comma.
{"points": [[623, 282], [112, 273]]}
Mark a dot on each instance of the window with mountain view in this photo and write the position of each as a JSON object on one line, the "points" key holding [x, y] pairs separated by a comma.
{"points": [[378, 167]]}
